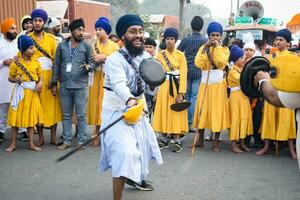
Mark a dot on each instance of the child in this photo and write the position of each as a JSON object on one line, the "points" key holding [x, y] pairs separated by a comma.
{"points": [[150, 46], [241, 116], [25, 107]]}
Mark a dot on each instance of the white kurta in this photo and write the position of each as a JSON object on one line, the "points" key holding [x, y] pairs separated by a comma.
{"points": [[292, 100], [7, 50], [127, 149]]}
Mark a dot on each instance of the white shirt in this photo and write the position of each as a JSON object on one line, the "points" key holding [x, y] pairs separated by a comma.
{"points": [[7, 50], [292, 100]]}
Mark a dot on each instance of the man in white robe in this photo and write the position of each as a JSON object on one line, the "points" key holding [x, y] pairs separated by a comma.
{"points": [[8, 50], [126, 149]]}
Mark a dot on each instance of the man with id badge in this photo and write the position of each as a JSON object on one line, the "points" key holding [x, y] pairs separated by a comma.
{"points": [[73, 62]]}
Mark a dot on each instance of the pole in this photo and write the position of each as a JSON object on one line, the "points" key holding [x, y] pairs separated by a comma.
{"points": [[237, 7], [181, 4]]}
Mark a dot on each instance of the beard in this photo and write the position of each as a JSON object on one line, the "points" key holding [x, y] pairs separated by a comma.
{"points": [[38, 31], [77, 38], [11, 36], [134, 51]]}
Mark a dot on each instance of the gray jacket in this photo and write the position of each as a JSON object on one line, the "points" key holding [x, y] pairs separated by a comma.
{"points": [[78, 77]]}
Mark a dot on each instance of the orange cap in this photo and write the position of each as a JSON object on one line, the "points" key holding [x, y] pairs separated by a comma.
{"points": [[7, 24]]}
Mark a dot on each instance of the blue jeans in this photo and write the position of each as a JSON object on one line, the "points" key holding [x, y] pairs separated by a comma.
{"points": [[191, 95], [70, 98]]}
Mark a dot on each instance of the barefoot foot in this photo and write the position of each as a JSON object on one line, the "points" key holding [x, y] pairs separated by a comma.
{"points": [[11, 148], [262, 152], [34, 148]]}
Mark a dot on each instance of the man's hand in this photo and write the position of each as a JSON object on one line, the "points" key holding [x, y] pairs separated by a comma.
{"points": [[179, 98], [259, 76], [214, 43], [39, 87], [54, 90], [132, 102], [99, 58], [8, 61]]}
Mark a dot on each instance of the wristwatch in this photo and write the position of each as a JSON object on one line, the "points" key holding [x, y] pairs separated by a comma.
{"points": [[261, 82]]}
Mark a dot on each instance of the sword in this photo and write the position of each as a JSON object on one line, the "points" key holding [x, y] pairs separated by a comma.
{"points": [[89, 140]]}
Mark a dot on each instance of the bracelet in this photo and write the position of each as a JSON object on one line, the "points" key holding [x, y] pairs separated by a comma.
{"points": [[261, 82]]}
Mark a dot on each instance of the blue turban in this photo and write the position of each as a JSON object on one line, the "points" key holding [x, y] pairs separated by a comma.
{"points": [[171, 32], [235, 53], [40, 13], [24, 42], [103, 22], [214, 27], [285, 33], [126, 21]]}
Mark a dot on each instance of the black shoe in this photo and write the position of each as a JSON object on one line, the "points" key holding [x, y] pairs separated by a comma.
{"points": [[177, 147], [143, 186], [2, 137], [24, 137]]}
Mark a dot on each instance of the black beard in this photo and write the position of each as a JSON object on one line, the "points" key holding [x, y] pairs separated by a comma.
{"points": [[11, 36], [77, 39], [38, 31], [132, 50]]}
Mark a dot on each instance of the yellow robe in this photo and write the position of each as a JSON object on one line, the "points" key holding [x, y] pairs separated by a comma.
{"points": [[278, 123], [240, 109], [166, 120], [50, 104], [29, 111], [215, 112], [96, 91]]}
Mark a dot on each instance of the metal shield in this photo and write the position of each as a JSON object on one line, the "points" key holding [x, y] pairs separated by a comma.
{"points": [[152, 72], [250, 69]]}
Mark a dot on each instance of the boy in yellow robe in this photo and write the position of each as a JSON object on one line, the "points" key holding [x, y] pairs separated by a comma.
{"points": [[165, 120], [279, 123], [212, 108], [240, 110], [45, 55], [102, 48], [25, 108]]}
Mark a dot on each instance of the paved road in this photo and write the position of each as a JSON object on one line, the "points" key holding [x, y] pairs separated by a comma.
{"points": [[28, 175]]}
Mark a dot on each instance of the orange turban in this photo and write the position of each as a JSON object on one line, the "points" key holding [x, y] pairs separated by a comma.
{"points": [[6, 25], [273, 50]]}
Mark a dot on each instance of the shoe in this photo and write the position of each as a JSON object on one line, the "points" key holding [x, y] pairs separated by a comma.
{"points": [[192, 130], [2, 137], [63, 146], [208, 138], [177, 147], [24, 137], [143, 186], [162, 144]]}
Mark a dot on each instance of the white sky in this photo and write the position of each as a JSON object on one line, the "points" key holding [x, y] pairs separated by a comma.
{"points": [[283, 10]]}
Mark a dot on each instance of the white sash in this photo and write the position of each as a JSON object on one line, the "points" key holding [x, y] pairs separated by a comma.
{"points": [[232, 89], [174, 73], [18, 94], [215, 76], [46, 63], [91, 79]]}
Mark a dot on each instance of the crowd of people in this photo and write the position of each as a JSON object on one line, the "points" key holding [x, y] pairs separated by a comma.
{"points": [[47, 79]]}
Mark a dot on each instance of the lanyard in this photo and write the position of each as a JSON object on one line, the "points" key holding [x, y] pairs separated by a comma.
{"points": [[72, 54]]}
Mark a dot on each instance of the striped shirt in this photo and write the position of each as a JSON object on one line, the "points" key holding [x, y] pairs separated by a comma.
{"points": [[190, 46]]}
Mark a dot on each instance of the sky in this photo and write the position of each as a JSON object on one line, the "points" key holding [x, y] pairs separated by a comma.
{"points": [[282, 10]]}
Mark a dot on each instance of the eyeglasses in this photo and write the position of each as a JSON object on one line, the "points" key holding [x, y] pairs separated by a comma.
{"points": [[136, 31]]}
